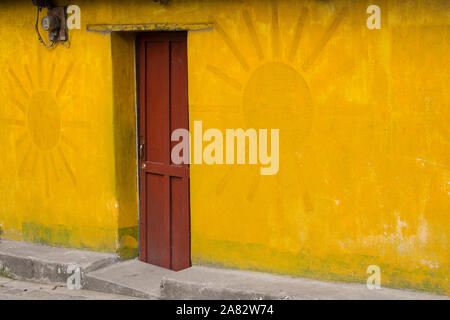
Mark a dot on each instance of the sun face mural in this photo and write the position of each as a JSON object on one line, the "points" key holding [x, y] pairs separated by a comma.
{"points": [[54, 152], [286, 103], [264, 85], [41, 141]]}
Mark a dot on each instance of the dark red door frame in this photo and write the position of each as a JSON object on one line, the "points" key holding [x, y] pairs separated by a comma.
{"points": [[164, 187]]}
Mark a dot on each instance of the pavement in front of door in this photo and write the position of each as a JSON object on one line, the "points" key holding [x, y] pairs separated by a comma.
{"points": [[103, 273], [25, 290]]}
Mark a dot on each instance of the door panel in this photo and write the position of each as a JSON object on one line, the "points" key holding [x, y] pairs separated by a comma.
{"points": [[158, 96], [180, 238], [158, 221], [164, 186], [179, 185]]}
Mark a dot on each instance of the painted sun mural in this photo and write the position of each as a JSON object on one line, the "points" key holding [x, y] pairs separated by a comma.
{"points": [[41, 141], [285, 104]]}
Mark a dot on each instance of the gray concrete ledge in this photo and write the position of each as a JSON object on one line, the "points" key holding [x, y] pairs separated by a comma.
{"points": [[132, 277], [44, 264], [102, 272], [26, 290], [211, 283]]}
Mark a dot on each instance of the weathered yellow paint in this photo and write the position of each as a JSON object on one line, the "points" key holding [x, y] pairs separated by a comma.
{"points": [[363, 118], [124, 119], [57, 168]]}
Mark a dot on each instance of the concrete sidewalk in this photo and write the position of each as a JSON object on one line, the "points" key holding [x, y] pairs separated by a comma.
{"points": [[210, 283], [103, 273], [132, 277], [24, 290], [44, 264]]}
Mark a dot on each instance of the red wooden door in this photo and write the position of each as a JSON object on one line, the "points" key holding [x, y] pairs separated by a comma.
{"points": [[164, 186]]}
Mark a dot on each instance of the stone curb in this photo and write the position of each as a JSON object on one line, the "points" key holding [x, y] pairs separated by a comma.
{"points": [[38, 268]]}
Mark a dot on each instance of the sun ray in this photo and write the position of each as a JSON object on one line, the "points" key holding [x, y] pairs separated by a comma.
{"points": [[231, 46], [34, 163], [47, 186], [275, 30], [50, 75], [19, 105], [75, 124], [325, 38], [66, 164], [253, 35], [13, 122], [53, 164], [21, 139], [298, 33], [68, 142], [223, 182], [221, 75], [19, 83], [63, 79], [24, 162], [38, 63], [30, 79]]}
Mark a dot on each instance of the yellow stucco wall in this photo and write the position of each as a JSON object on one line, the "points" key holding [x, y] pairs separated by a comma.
{"points": [[57, 169], [364, 148]]}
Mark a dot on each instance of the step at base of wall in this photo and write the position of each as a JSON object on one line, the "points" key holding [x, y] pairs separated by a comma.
{"points": [[44, 264], [132, 278], [205, 283]]}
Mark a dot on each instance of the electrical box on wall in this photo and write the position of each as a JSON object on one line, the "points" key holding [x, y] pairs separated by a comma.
{"points": [[55, 24]]}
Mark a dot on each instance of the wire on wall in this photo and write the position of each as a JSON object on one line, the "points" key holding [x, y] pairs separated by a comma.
{"points": [[36, 26]]}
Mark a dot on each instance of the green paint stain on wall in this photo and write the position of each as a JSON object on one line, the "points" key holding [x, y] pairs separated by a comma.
{"points": [[56, 235], [59, 236], [128, 239], [254, 257]]}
